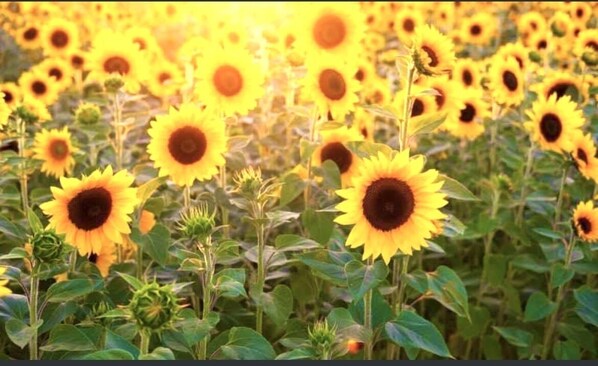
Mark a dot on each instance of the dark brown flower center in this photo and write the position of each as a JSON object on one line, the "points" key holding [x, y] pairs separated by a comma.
{"points": [[38, 87], [141, 43], [56, 72], [579, 12], [332, 84], [475, 29], [418, 108], [467, 77], [431, 55], [90, 209], [551, 127], [117, 64], [388, 203], [440, 98], [510, 80], [329, 31], [581, 155], [77, 61], [187, 145], [562, 89], [585, 225], [228, 80], [234, 37], [468, 113], [338, 153], [163, 77], [542, 44], [59, 39], [360, 75], [93, 258], [59, 149], [8, 97], [408, 25], [30, 34], [364, 132]]}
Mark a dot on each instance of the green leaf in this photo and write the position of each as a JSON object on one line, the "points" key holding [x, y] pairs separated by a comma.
{"points": [[361, 278], [14, 306], [34, 223], [66, 337], [319, 225], [148, 188], [548, 233], [586, 307], [448, 289], [411, 330], [245, 344], [331, 174], [381, 111], [515, 336], [278, 304], [347, 326], [117, 342], [15, 253], [10, 229], [54, 314], [491, 347], [453, 189], [292, 187], [480, 318], [293, 243], [306, 149], [568, 350], [230, 282], [132, 281], [155, 243], [72, 289], [297, 354], [323, 266], [496, 268], [18, 332], [159, 353], [538, 307], [109, 354], [427, 124]]}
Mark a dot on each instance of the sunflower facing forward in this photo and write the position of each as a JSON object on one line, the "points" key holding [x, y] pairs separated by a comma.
{"points": [[334, 147], [506, 81], [93, 210], [554, 122], [392, 205], [584, 155], [59, 37], [585, 220], [468, 122], [187, 144], [559, 83], [229, 81], [55, 149]]}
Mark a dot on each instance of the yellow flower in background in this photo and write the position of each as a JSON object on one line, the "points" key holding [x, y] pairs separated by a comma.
{"points": [[187, 144], [104, 258], [55, 149], [516, 50], [28, 36], [59, 37], [34, 108], [580, 11], [332, 86], [12, 93], [559, 84], [112, 53], [467, 73], [584, 155], [433, 52], [406, 23], [363, 121], [166, 79], [553, 122], [531, 23], [144, 38], [449, 98], [478, 29], [39, 85], [468, 123], [229, 81], [506, 81], [392, 205], [423, 104], [4, 111], [333, 146], [93, 210], [585, 220], [59, 69], [587, 38], [3, 289]]}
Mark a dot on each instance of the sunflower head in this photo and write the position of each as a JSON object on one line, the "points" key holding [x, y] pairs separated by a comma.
{"points": [[3, 289], [197, 223], [154, 307], [31, 110], [322, 337], [432, 51], [48, 247], [113, 83], [585, 221], [87, 114], [590, 57], [249, 181]]}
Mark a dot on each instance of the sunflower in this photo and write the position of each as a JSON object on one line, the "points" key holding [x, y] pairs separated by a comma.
{"points": [[230, 35], [34, 108], [377, 92], [332, 86], [553, 122], [187, 144], [478, 29], [449, 98], [366, 70], [506, 81], [584, 155], [55, 149], [5, 111], [467, 73], [112, 53], [3, 289], [580, 12], [12, 93], [329, 27], [59, 37], [587, 38], [165, 80], [538, 42], [406, 23], [58, 69], [392, 205], [230, 81], [530, 23], [77, 60], [561, 25], [585, 220], [516, 50], [560, 84], [93, 210], [28, 36], [363, 121], [39, 85], [466, 123], [334, 147], [433, 52], [143, 37], [103, 258], [423, 104]]}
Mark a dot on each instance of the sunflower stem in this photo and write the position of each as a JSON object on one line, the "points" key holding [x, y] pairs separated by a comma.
{"points": [[33, 294], [551, 322], [367, 319], [261, 270], [407, 107], [118, 136], [522, 196], [187, 197], [559, 201], [73, 260], [144, 341], [312, 137], [22, 132], [401, 296], [207, 294]]}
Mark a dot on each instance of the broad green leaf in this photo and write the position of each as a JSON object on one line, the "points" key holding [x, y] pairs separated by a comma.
{"points": [[492, 347], [113, 341], [132, 281], [297, 354], [306, 149], [567, 350], [14, 306], [278, 304], [381, 111], [319, 225], [323, 266], [480, 319], [148, 188], [411, 330], [578, 333], [381, 311], [427, 124], [230, 282], [109, 354], [496, 268], [346, 326], [72, 289], [515, 336], [66, 337], [538, 307], [159, 353], [292, 187], [155, 243], [34, 223], [292, 242], [15, 253], [54, 314], [18, 332], [361, 278], [331, 175], [11, 229], [453, 189], [587, 309], [548, 233], [245, 344], [448, 289], [417, 280]]}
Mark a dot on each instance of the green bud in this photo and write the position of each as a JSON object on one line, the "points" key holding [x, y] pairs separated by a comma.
{"points": [[197, 223], [26, 115], [47, 246], [590, 58], [322, 337], [249, 181], [556, 31], [154, 307], [113, 83], [535, 57], [88, 114]]}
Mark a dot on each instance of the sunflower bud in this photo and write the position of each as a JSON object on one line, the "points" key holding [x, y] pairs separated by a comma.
{"points": [[590, 57], [322, 337], [26, 115], [249, 181], [47, 246], [113, 83], [154, 307], [556, 31], [535, 57], [197, 223], [87, 114]]}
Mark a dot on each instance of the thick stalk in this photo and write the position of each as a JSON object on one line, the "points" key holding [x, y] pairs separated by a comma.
{"points": [[207, 296], [144, 342], [559, 201], [33, 295], [22, 131], [118, 133], [261, 274], [407, 108], [187, 197], [367, 320], [528, 170]]}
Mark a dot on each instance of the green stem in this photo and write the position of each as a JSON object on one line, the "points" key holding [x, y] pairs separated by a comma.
{"points": [[33, 294], [144, 342], [73, 261], [528, 170], [187, 197], [312, 137], [407, 108], [367, 319], [139, 261], [551, 324], [22, 131], [118, 135], [207, 295], [223, 210], [559, 201], [261, 274], [401, 296]]}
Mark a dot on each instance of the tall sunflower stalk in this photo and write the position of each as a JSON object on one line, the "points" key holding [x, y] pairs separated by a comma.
{"points": [[22, 138]]}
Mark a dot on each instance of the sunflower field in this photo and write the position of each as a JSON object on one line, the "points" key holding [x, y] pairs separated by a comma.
{"points": [[298, 181]]}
